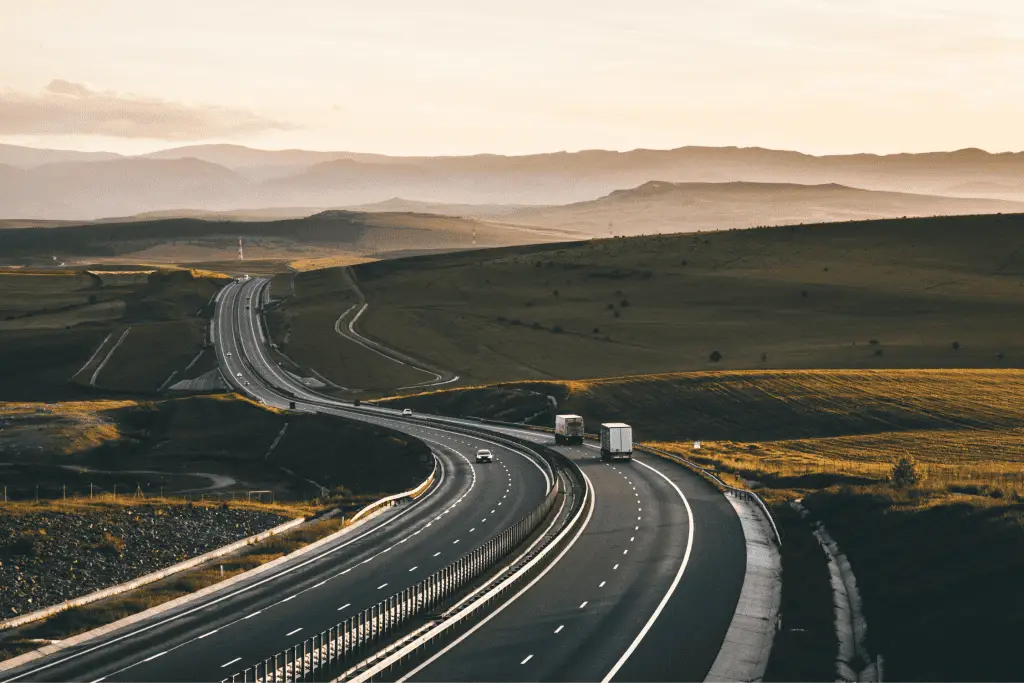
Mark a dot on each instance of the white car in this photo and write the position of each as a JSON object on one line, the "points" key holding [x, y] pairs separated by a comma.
{"points": [[407, 411], [228, 353], [238, 374], [484, 455]]}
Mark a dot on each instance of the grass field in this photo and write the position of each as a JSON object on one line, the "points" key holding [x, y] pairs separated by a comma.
{"points": [[171, 446], [886, 294], [58, 325], [304, 329], [937, 564]]}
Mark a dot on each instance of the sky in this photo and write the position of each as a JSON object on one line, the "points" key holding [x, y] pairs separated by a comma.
{"points": [[408, 77]]}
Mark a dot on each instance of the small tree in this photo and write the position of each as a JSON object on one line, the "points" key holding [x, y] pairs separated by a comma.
{"points": [[764, 357], [956, 346], [715, 356], [904, 473]]}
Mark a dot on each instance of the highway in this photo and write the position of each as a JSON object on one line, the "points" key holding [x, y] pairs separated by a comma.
{"points": [[646, 592]]}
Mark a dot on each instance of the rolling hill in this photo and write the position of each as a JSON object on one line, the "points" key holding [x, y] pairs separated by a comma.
{"points": [[65, 185]]}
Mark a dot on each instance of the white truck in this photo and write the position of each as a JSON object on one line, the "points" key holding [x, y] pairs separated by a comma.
{"points": [[568, 429], [616, 441]]}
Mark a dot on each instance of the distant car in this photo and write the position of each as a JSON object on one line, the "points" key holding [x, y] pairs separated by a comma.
{"points": [[238, 374], [407, 411], [246, 382], [228, 353], [484, 455]]}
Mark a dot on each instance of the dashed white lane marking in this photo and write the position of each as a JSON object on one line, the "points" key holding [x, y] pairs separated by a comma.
{"points": [[631, 538], [493, 511], [472, 530], [252, 615], [615, 567], [414, 568], [626, 551], [150, 659], [559, 628], [601, 585], [456, 541], [436, 554], [292, 633], [584, 604], [208, 634], [636, 528], [236, 659], [528, 658], [347, 604], [382, 586], [483, 520], [347, 570]]}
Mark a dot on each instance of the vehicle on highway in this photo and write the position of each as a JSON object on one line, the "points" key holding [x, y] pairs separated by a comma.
{"points": [[616, 441], [228, 353], [484, 455], [238, 374], [246, 382], [407, 411], [568, 429]]}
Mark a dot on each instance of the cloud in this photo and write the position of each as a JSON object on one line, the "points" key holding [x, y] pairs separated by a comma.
{"points": [[68, 108]]}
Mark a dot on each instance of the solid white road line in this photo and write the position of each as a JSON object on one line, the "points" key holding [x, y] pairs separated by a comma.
{"points": [[320, 584], [236, 659], [292, 633], [150, 659], [252, 615], [675, 581], [208, 634]]}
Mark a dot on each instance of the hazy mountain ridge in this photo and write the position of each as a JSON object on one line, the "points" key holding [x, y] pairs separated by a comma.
{"points": [[224, 177]]}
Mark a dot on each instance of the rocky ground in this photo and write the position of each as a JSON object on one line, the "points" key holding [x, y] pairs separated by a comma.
{"points": [[48, 556]]}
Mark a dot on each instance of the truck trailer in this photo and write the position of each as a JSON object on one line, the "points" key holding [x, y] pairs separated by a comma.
{"points": [[568, 429], [616, 441]]}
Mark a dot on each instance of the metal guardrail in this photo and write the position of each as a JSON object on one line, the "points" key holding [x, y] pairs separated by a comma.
{"points": [[388, 500], [339, 647]]}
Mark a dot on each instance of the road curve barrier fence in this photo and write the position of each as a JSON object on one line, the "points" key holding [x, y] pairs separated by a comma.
{"points": [[342, 646]]}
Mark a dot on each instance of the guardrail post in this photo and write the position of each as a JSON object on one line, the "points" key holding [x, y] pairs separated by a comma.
{"points": [[245, 675], [302, 660], [277, 665]]}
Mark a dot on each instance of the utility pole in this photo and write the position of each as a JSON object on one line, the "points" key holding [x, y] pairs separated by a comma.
{"points": [[241, 254]]}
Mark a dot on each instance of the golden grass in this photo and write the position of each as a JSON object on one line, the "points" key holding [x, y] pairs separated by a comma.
{"points": [[317, 263], [105, 502], [68, 426]]}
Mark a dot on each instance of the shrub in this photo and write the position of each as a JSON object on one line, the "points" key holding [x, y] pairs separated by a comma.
{"points": [[557, 329], [764, 357], [92, 298], [610, 307], [23, 544], [555, 292], [873, 342], [878, 352], [617, 314], [803, 293], [110, 544], [597, 330], [624, 303], [536, 326], [715, 356], [904, 474], [956, 346]]}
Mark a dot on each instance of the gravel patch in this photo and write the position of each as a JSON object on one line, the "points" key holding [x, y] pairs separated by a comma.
{"points": [[48, 557]]}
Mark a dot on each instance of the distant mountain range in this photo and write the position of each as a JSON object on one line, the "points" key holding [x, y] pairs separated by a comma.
{"points": [[56, 184]]}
